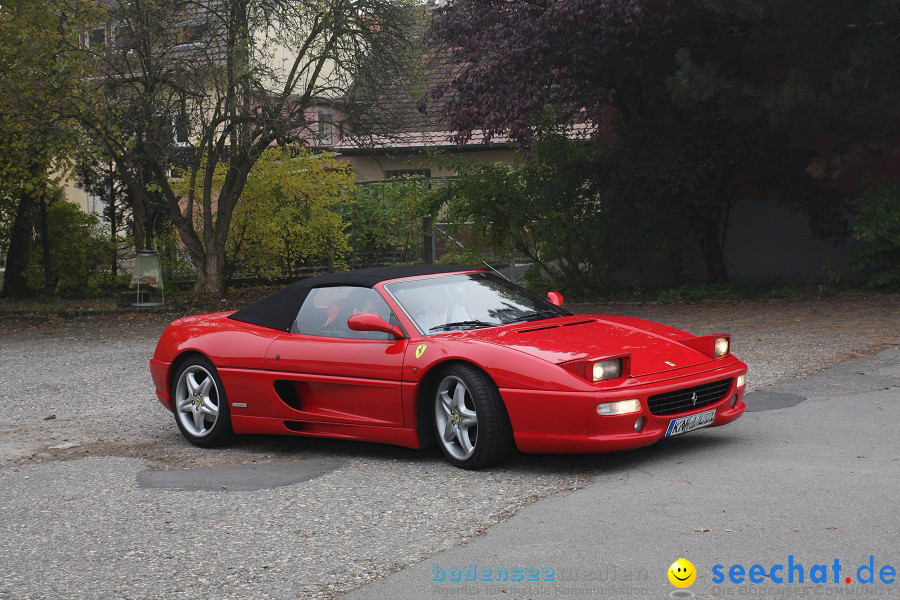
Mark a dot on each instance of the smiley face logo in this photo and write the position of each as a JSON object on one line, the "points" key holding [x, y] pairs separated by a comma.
{"points": [[682, 573]]}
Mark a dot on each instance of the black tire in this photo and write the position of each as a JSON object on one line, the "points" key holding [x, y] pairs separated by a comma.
{"points": [[221, 431], [494, 435]]}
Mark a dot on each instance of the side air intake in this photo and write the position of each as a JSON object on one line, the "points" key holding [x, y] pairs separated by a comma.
{"points": [[288, 393]]}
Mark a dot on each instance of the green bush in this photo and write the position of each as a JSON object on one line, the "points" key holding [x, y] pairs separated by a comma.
{"points": [[288, 215], [556, 206], [385, 220], [80, 253], [877, 227]]}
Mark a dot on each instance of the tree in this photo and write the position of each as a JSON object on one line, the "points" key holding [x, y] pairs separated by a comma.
{"points": [[552, 206], [825, 72], [79, 252], [99, 178], [36, 135], [584, 59], [701, 102], [877, 228], [387, 219], [606, 63], [826, 75], [231, 78], [288, 213]]}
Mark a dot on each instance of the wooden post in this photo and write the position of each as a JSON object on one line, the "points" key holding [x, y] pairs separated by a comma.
{"points": [[428, 240]]}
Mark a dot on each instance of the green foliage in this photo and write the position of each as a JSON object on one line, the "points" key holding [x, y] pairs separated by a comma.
{"points": [[287, 216], [7, 214], [80, 253], [553, 206], [877, 227], [823, 70], [386, 220], [37, 75]]}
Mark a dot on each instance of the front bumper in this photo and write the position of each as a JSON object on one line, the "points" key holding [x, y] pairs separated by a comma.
{"points": [[159, 371], [567, 422]]}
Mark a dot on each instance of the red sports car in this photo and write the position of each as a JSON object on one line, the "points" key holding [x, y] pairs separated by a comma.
{"points": [[417, 355]]}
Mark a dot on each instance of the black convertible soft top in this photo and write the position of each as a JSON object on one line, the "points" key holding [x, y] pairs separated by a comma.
{"points": [[279, 310]]}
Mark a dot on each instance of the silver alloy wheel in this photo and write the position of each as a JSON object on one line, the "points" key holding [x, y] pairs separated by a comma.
{"points": [[197, 401], [454, 413]]}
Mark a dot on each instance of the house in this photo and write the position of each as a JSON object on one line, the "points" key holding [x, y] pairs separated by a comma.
{"points": [[399, 139]]}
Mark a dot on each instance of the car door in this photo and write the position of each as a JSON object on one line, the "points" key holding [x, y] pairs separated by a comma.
{"points": [[324, 372]]}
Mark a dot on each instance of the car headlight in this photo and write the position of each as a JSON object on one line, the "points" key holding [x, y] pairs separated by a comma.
{"points": [[742, 380], [722, 347], [622, 407], [607, 369]]}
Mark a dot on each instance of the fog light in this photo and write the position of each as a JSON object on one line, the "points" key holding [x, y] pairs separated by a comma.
{"points": [[742, 380], [623, 407], [734, 401], [639, 424], [722, 347]]}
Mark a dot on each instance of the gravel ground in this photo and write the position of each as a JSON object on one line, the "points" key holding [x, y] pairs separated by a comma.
{"points": [[77, 513]]}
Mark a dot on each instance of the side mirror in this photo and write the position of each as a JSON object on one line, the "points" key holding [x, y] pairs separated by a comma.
{"points": [[555, 298], [368, 322]]}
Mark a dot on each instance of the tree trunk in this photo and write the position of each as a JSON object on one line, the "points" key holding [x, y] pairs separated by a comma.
{"points": [[45, 246], [139, 219], [712, 245], [14, 284], [210, 280], [112, 222], [134, 198]]}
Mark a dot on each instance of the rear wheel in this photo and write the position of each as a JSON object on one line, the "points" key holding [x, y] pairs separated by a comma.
{"points": [[470, 420], [200, 405]]}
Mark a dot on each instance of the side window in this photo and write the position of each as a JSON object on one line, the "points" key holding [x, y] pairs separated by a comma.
{"points": [[326, 310]]}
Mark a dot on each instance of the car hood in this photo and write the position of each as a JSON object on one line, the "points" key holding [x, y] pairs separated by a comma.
{"points": [[653, 347]]}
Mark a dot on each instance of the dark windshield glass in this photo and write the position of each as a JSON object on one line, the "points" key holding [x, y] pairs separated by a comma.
{"points": [[456, 302]]}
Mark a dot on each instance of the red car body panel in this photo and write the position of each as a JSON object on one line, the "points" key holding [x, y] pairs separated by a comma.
{"points": [[370, 389]]}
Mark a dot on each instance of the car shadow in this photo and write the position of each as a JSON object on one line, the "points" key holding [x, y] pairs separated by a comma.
{"points": [[689, 447], [673, 450]]}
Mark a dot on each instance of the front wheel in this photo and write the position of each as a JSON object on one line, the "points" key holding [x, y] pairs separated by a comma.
{"points": [[470, 420], [200, 405]]}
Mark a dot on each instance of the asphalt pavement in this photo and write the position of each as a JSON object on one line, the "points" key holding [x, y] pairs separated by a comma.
{"points": [[811, 472], [100, 497]]}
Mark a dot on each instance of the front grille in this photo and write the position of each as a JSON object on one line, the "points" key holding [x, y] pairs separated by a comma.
{"points": [[683, 400]]}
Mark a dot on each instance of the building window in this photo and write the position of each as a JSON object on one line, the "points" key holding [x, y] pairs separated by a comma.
{"points": [[182, 128], [172, 127], [96, 38], [122, 37], [326, 127], [401, 173], [192, 33], [94, 205]]}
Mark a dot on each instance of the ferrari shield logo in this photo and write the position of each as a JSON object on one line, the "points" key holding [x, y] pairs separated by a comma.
{"points": [[421, 350]]}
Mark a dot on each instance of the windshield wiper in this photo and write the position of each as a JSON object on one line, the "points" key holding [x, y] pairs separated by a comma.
{"points": [[456, 324], [535, 316]]}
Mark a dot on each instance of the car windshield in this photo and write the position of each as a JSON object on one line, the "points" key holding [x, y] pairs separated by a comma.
{"points": [[455, 302]]}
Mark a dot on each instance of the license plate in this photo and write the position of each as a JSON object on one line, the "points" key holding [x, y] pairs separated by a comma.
{"points": [[691, 422]]}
